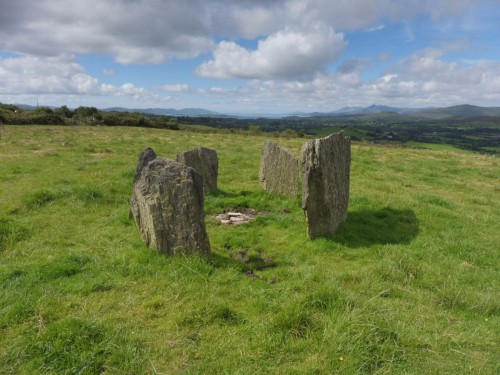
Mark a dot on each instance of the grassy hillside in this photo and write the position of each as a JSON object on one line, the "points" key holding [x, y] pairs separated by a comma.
{"points": [[409, 284]]}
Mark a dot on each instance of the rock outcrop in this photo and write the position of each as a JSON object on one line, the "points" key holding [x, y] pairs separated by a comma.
{"points": [[167, 204], [279, 170], [325, 183]]}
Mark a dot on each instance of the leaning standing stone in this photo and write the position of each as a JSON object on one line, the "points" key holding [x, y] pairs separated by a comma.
{"points": [[279, 170], [146, 156], [206, 163], [326, 166], [167, 204]]}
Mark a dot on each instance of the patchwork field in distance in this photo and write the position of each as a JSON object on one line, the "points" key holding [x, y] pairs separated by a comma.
{"points": [[409, 283]]}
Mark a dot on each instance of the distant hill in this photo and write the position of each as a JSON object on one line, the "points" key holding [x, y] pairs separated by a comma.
{"points": [[384, 108], [357, 111], [166, 111], [465, 110], [386, 117], [28, 107], [438, 113], [150, 111]]}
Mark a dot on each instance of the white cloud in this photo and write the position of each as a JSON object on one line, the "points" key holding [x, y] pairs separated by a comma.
{"points": [[59, 74], [287, 53], [408, 32], [423, 79], [180, 87], [426, 78], [130, 31], [298, 40], [375, 28], [130, 89], [55, 75], [151, 32], [263, 21]]}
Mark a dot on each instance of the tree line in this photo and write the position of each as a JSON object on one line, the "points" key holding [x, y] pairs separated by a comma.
{"points": [[14, 115]]}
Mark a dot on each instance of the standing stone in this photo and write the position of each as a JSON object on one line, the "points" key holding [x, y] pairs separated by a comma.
{"points": [[279, 170], [206, 163], [146, 156], [167, 204], [325, 183]]}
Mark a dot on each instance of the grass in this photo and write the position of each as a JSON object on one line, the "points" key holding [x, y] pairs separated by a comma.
{"points": [[409, 284], [434, 146]]}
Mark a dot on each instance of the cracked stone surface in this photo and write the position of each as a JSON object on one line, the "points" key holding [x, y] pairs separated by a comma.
{"points": [[326, 164], [279, 170], [167, 205]]}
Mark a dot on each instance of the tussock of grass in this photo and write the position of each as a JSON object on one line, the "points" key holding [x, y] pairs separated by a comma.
{"points": [[408, 284], [10, 233], [75, 346]]}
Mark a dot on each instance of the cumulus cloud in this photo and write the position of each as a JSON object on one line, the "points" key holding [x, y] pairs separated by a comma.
{"points": [[347, 15], [264, 21], [151, 32], [59, 74], [297, 40], [131, 31], [179, 87], [424, 79], [427, 76], [54, 75], [287, 53]]}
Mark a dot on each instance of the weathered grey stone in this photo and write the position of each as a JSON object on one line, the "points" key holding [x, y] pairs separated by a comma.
{"points": [[146, 156], [167, 204], [326, 164], [279, 170], [206, 163]]}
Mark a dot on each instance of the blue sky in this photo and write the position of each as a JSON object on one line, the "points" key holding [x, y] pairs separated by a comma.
{"points": [[250, 56]]}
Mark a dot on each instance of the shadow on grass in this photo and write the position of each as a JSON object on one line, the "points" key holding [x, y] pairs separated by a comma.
{"points": [[219, 193], [244, 259], [384, 226]]}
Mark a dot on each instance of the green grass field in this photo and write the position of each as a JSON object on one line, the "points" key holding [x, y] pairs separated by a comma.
{"points": [[408, 285], [434, 146]]}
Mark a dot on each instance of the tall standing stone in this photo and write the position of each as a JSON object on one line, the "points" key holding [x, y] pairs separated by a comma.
{"points": [[147, 155], [279, 170], [326, 166], [167, 204], [206, 163]]}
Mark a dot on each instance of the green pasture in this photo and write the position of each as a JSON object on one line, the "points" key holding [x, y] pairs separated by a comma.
{"points": [[434, 146], [408, 285]]}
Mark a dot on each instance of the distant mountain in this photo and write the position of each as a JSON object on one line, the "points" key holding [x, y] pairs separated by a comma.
{"points": [[358, 111], [378, 109], [166, 111], [28, 107], [429, 113], [348, 110], [465, 110]]}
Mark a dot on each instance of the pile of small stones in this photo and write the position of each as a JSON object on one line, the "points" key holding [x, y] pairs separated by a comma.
{"points": [[234, 218]]}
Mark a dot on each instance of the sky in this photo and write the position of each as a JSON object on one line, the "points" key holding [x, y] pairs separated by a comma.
{"points": [[250, 56]]}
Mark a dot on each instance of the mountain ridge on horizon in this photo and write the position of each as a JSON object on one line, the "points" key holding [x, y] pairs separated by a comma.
{"points": [[462, 110]]}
